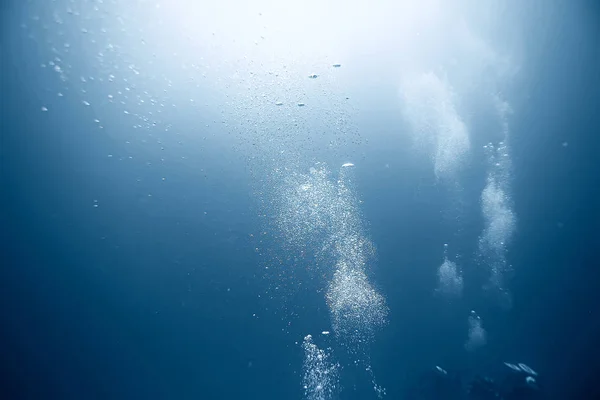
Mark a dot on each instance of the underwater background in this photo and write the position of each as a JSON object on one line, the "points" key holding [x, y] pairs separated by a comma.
{"points": [[190, 189]]}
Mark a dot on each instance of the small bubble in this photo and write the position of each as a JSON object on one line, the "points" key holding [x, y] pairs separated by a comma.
{"points": [[44, 109]]}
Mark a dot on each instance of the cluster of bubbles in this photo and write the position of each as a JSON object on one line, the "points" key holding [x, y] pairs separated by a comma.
{"points": [[305, 210], [314, 209], [111, 57], [129, 65], [357, 309], [496, 207], [282, 117], [450, 280], [477, 335], [150, 65], [497, 210], [321, 374], [433, 105], [429, 105]]}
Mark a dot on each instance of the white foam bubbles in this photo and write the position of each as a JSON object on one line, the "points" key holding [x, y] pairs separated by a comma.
{"points": [[499, 217], [429, 105], [496, 206], [319, 211], [305, 207], [477, 335], [357, 309], [321, 374], [450, 280]]}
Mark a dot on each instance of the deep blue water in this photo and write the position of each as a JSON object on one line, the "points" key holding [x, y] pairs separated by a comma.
{"points": [[165, 296]]}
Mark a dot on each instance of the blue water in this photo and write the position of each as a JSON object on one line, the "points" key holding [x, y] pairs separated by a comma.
{"points": [[134, 259]]}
